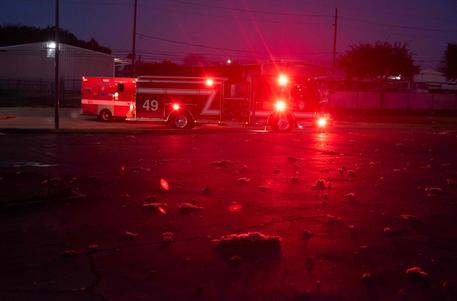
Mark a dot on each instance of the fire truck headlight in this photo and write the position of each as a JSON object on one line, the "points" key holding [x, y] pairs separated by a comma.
{"points": [[116, 95], [280, 106], [131, 107], [209, 82], [283, 80], [175, 106], [322, 122]]}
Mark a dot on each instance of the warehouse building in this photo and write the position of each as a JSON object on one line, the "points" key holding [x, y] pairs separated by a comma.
{"points": [[27, 70]]}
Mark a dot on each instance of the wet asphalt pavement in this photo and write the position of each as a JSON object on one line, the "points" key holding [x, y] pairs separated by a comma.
{"points": [[354, 208]]}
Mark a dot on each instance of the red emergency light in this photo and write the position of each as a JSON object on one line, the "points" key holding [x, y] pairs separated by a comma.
{"points": [[283, 80], [280, 106], [322, 122], [175, 107], [209, 82]]}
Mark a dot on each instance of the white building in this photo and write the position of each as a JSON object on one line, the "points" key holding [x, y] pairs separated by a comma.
{"points": [[35, 62], [432, 80]]}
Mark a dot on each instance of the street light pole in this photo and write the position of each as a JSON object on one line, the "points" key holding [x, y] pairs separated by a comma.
{"points": [[134, 39], [56, 70], [335, 29]]}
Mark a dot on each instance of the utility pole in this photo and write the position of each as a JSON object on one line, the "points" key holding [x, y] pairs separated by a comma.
{"points": [[56, 70], [335, 28], [134, 38]]}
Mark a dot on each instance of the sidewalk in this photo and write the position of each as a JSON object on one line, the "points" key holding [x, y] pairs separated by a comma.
{"points": [[41, 120]]}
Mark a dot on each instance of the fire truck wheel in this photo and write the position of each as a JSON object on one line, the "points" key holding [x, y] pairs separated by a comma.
{"points": [[105, 115], [282, 123], [181, 121]]}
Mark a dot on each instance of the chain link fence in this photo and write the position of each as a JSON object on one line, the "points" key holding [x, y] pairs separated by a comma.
{"points": [[17, 93]]}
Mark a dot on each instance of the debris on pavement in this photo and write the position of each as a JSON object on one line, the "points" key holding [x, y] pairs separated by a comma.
{"points": [[159, 207], [235, 260], [292, 159], [306, 234], [319, 186], [366, 278], [350, 197], [247, 239], [93, 247], [164, 184], [330, 153], [417, 273], [222, 163], [431, 191], [130, 235], [387, 230], [187, 207], [167, 237], [137, 169], [331, 219], [409, 217], [263, 188], [243, 180], [205, 190], [70, 253]]}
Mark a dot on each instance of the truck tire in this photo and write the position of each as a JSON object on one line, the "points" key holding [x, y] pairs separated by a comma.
{"points": [[180, 120], [282, 123], [105, 115]]}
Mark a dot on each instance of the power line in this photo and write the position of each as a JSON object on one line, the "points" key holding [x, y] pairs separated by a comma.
{"points": [[231, 17], [216, 48], [244, 10], [398, 25]]}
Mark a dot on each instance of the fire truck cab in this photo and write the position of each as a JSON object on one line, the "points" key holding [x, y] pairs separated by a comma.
{"points": [[108, 97]]}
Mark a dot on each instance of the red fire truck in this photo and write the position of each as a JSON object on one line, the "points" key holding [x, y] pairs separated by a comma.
{"points": [[183, 102]]}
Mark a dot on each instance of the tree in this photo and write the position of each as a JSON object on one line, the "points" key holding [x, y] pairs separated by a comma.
{"points": [[194, 60], [378, 61], [13, 35], [449, 63]]}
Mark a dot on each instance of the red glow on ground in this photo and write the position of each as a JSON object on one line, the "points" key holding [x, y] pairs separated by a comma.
{"points": [[164, 184], [235, 207]]}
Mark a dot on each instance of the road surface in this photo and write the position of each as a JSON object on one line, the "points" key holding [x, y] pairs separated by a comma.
{"points": [[354, 209]]}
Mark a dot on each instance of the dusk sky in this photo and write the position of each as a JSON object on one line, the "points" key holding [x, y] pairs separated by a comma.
{"points": [[248, 29]]}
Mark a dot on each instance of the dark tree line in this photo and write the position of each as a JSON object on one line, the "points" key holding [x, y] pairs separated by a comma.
{"points": [[13, 35], [378, 61]]}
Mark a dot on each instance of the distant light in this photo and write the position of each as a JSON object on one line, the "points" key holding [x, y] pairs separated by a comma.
{"points": [[280, 106], [209, 82], [176, 106], [229, 61], [131, 107], [283, 80], [116, 95], [51, 45]]}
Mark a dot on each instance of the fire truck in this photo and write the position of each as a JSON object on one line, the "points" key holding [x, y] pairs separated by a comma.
{"points": [[183, 102]]}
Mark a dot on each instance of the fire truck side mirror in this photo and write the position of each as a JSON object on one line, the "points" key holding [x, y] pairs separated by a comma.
{"points": [[120, 87]]}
